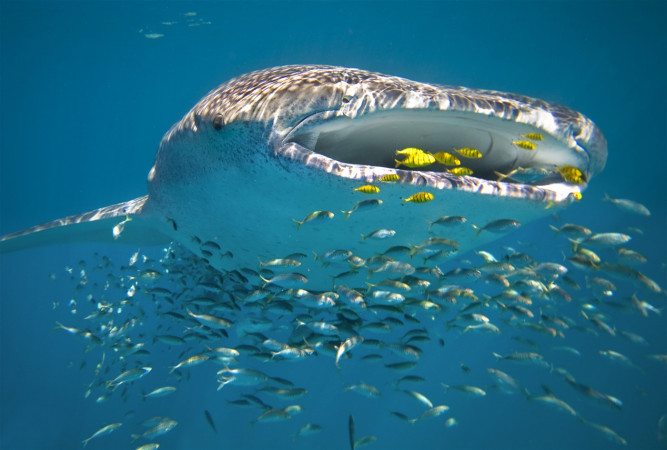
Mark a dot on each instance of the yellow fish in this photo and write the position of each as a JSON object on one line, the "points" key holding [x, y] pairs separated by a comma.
{"points": [[390, 178], [526, 145], [571, 175], [410, 151], [416, 160], [468, 152], [419, 197], [368, 189], [446, 158], [461, 171], [533, 136]]}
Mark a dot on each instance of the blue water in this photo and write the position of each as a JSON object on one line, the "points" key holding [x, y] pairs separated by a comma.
{"points": [[85, 97]]}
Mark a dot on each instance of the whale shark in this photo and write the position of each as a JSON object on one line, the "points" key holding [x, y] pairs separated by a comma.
{"points": [[269, 165]]}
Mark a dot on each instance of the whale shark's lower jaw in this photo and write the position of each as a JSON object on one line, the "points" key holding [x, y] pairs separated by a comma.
{"points": [[364, 148]]}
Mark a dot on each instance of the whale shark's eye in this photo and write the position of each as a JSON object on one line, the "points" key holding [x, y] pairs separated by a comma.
{"points": [[218, 122], [506, 153]]}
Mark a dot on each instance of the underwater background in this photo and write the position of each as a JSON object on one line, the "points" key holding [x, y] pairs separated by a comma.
{"points": [[87, 89]]}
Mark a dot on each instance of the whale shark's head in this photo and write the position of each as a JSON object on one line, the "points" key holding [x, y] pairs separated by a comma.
{"points": [[268, 148]]}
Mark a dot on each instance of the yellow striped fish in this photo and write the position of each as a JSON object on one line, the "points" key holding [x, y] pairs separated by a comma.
{"points": [[447, 159], [416, 160], [419, 197], [410, 151], [368, 189], [533, 136], [467, 152], [389, 178], [571, 175], [461, 171], [526, 145]]}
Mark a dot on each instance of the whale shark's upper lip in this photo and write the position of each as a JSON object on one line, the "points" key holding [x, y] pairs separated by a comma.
{"points": [[363, 146]]}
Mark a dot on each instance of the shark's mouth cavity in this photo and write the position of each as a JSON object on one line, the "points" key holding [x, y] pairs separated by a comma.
{"points": [[511, 152]]}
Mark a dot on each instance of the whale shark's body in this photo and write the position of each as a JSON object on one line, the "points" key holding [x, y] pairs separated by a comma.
{"points": [[268, 148]]}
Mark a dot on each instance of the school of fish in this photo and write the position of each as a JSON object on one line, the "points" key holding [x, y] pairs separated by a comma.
{"points": [[247, 326]]}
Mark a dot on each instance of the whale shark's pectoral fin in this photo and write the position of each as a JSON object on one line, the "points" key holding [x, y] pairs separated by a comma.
{"points": [[121, 223]]}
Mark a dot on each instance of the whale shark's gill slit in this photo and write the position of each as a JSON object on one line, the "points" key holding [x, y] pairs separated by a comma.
{"points": [[374, 139]]}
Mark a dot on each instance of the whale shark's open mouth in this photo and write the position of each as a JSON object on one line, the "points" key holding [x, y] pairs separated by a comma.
{"points": [[517, 159]]}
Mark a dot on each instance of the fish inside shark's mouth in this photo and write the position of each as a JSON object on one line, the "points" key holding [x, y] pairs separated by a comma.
{"points": [[484, 147]]}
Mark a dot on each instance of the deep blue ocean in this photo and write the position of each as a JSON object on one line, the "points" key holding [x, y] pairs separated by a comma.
{"points": [[87, 89]]}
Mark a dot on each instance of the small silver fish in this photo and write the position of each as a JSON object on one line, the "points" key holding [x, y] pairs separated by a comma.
{"points": [[629, 206], [320, 327], [421, 398], [241, 377], [431, 413], [382, 233], [314, 216], [396, 267], [332, 256], [363, 206], [506, 382], [102, 431], [158, 430], [191, 361], [210, 321], [364, 389], [620, 358], [309, 429], [572, 230], [128, 376], [280, 262], [447, 221], [605, 239], [525, 174], [160, 392], [498, 226], [346, 346], [350, 295], [630, 256], [286, 280], [467, 389]]}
